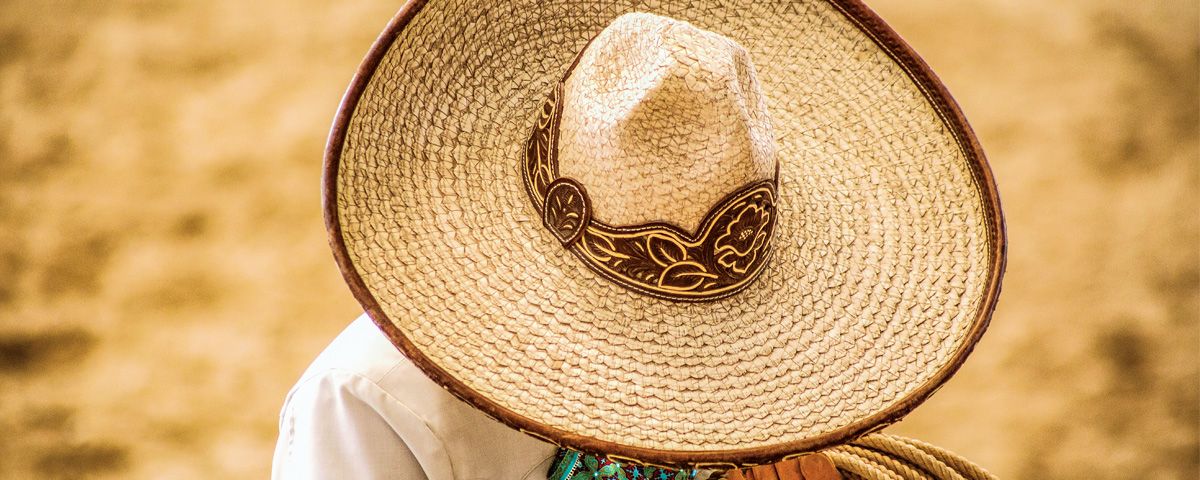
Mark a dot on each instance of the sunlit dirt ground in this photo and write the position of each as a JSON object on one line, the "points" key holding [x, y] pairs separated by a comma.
{"points": [[164, 275]]}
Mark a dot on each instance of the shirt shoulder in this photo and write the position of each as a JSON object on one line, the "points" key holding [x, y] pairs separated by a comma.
{"points": [[360, 349], [339, 424], [362, 364]]}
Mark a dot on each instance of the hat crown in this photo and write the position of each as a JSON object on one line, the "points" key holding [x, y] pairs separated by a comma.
{"points": [[661, 120]]}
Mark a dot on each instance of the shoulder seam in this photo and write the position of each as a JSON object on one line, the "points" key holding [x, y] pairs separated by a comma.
{"points": [[375, 385]]}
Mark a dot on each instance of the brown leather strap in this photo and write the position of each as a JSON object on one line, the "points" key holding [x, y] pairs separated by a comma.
{"points": [[814, 466]]}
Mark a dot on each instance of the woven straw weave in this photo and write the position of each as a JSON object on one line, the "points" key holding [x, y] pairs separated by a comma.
{"points": [[885, 252]]}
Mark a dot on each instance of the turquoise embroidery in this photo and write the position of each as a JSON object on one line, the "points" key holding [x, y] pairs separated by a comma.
{"points": [[572, 465], [567, 466]]}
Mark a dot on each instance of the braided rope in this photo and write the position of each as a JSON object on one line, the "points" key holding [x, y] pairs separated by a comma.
{"points": [[881, 456], [968, 469], [896, 447], [863, 467], [899, 466]]}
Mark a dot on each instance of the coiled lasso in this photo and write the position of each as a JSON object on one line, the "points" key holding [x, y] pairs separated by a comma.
{"points": [[880, 456], [877, 456]]}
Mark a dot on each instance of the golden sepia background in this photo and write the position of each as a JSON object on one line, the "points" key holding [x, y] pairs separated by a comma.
{"points": [[164, 275]]}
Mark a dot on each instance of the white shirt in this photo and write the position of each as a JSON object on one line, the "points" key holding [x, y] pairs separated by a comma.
{"points": [[362, 410]]}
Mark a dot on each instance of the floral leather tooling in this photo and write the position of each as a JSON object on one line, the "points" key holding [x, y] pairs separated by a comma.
{"points": [[723, 256]]}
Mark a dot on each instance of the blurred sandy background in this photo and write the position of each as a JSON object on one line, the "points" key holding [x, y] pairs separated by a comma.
{"points": [[164, 276]]}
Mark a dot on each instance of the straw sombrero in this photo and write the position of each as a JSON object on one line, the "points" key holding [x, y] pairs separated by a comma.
{"points": [[710, 233]]}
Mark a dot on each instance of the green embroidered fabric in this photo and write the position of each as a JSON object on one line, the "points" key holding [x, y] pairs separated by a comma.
{"points": [[572, 465]]}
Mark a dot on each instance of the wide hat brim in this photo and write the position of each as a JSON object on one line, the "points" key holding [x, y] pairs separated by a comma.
{"points": [[887, 255]]}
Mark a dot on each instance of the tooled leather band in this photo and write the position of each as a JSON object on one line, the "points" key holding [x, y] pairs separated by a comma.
{"points": [[725, 255]]}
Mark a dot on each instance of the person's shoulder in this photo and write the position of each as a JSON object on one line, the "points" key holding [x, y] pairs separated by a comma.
{"points": [[362, 367], [362, 362], [361, 349], [338, 406]]}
